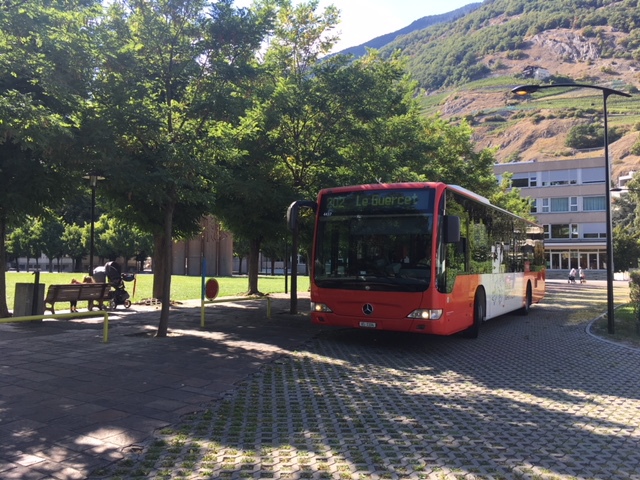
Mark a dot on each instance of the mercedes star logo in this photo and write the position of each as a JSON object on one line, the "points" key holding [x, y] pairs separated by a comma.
{"points": [[367, 309]]}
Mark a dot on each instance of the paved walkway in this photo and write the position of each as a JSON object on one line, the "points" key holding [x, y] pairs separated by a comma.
{"points": [[248, 397], [70, 403]]}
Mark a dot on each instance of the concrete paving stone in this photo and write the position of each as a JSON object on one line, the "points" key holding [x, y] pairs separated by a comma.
{"points": [[24, 473]]}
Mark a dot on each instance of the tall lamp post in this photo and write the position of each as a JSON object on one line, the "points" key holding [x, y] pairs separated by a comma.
{"points": [[93, 183], [527, 89]]}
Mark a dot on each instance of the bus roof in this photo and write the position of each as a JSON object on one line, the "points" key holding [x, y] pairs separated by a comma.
{"points": [[381, 186]]}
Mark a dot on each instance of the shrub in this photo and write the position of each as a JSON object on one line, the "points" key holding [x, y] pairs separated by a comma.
{"points": [[634, 295], [560, 79], [537, 118], [516, 55], [590, 136], [513, 158]]}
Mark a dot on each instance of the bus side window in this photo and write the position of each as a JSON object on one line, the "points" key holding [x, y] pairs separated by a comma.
{"points": [[455, 263], [461, 254]]}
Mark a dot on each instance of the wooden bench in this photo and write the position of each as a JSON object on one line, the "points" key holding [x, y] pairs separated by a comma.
{"points": [[74, 292]]}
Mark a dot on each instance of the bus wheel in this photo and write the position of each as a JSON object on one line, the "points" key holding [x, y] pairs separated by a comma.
{"points": [[478, 316], [527, 301]]}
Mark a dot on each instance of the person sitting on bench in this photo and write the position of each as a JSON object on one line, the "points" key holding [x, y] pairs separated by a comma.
{"points": [[74, 304]]}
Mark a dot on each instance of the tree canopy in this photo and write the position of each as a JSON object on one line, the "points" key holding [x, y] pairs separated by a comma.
{"points": [[172, 73], [194, 107], [46, 50]]}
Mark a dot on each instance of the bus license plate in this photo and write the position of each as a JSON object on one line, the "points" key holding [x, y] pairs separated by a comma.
{"points": [[368, 325]]}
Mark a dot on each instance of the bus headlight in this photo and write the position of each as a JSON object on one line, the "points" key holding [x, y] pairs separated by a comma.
{"points": [[426, 314], [320, 308]]}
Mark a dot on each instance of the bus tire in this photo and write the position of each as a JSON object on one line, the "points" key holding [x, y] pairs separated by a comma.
{"points": [[528, 300], [478, 315]]}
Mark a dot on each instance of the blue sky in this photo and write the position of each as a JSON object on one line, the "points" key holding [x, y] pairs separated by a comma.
{"points": [[362, 20]]}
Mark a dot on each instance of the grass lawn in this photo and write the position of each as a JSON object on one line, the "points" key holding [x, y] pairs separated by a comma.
{"points": [[182, 287], [627, 327]]}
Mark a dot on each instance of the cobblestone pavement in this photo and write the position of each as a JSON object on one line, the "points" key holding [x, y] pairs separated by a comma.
{"points": [[534, 397]]}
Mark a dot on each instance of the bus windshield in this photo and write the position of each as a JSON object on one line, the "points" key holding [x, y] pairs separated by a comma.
{"points": [[386, 248]]}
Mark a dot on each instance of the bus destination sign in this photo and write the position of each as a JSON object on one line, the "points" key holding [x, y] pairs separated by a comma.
{"points": [[377, 201]]}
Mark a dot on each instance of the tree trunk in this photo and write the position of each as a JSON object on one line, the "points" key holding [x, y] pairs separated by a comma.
{"points": [[254, 260], [159, 264], [166, 254], [240, 266], [4, 309]]}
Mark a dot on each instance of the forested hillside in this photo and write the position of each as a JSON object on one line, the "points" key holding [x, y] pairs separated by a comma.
{"points": [[466, 68], [453, 53]]}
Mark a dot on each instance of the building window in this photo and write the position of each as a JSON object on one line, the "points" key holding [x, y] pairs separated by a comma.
{"points": [[524, 180], [559, 177], [593, 175], [573, 230], [560, 204], [594, 204], [573, 204], [559, 231], [594, 230], [545, 205], [519, 182]]}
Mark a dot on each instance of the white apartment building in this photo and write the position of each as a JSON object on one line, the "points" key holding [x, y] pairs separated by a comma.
{"points": [[569, 201]]}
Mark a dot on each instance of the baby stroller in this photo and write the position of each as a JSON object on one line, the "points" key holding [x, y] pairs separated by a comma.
{"points": [[118, 295]]}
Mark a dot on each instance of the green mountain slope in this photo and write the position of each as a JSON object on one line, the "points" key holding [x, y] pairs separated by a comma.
{"points": [[466, 69], [453, 53]]}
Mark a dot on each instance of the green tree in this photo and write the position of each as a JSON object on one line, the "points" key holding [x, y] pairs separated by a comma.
{"points": [[26, 240], [453, 158], [627, 209], [117, 239], [240, 250], [173, 73], [315, 124], [626, 249], [510, 198], [45, 48], [17, 244], [590, 136], [51, 232], [74, 245], [625, 217], [284, 134]]}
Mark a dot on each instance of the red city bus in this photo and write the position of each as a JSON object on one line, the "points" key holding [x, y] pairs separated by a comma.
{"points": [[420, 257]]}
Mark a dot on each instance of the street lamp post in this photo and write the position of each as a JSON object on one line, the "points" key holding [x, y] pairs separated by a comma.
{"points": [[527, 89], [93, 183]]}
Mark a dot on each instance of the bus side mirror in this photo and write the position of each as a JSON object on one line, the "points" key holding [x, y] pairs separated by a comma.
{"points": [[451, 229], [294, 210]]}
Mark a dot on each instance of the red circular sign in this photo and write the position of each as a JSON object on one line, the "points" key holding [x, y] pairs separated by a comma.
{"points": [[211, 288]]}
